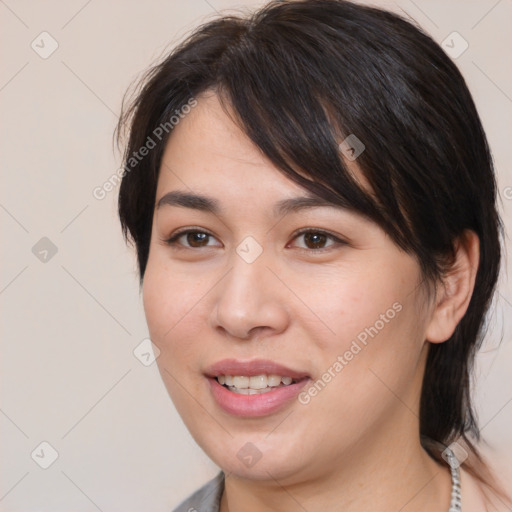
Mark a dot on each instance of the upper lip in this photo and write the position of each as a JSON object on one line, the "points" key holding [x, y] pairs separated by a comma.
{"points": [[252, 368]]}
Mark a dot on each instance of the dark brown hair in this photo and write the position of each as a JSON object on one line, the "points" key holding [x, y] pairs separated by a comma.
{"points": [[301, 76]]}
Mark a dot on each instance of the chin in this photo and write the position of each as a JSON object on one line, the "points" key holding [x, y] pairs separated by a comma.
{"points": [[255, 460]]}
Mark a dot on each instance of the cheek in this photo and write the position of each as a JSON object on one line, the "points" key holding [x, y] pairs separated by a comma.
{"points": [[171, 307], [351, 305], [375, 336], [374, 366]]}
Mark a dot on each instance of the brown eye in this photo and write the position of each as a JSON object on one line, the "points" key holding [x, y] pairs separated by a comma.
{"points": [[193, 239], [315, 240], [197, 239]]}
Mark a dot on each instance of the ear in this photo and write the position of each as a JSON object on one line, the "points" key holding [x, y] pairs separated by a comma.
{"points": [[454, 292]]}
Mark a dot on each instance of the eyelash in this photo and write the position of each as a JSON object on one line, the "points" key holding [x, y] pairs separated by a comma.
{"points": [[173, 240]]}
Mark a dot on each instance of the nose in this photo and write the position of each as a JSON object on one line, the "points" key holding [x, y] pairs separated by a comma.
{"points": [[250, 301]]}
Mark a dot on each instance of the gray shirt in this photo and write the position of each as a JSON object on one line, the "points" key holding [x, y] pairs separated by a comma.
{"points": [[205, 499]]}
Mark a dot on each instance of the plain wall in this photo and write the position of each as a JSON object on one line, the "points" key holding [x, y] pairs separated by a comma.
{"points": [[70, 324]]}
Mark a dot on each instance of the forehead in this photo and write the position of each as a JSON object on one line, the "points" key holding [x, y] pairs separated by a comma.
{"points": [[208, 151]]}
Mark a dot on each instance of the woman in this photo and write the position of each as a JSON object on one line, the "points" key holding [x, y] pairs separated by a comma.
{"points": [[312, 201]]}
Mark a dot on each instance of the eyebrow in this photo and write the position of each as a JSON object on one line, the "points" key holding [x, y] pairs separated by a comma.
{"points": [[211, 205]]}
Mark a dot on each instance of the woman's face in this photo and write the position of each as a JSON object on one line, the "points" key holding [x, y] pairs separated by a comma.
{"points": [[267, 283]]}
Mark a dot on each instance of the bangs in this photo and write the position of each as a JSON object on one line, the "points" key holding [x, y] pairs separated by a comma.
{"points": [[300, 114]]}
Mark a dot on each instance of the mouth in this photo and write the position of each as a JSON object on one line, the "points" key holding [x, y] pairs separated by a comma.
{"points": [[254, 385], [254, 388]]}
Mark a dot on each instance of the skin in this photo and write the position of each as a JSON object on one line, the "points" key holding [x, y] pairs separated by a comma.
{"points": [[356, 442]]}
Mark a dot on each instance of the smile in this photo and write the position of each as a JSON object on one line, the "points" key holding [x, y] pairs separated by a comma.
{"points": [[254, 385], [254, 388]]}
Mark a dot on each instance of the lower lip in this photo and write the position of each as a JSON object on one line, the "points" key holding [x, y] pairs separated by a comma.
{"points": [[254, 405]]}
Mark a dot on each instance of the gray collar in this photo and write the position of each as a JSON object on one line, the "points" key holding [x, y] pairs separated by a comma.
{"points": [[205, 499]]}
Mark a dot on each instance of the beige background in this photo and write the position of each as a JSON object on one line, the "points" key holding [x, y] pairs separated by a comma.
{"points": [[69, 325]]}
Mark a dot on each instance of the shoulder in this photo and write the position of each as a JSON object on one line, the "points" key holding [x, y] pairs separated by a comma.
{"points": [[205, 499], [478, 498]]}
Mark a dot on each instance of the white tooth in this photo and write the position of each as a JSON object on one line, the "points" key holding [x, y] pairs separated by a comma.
{"points": [[249, 391], [273, 380], [258, 382], [240, 391], [240, 382]]}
